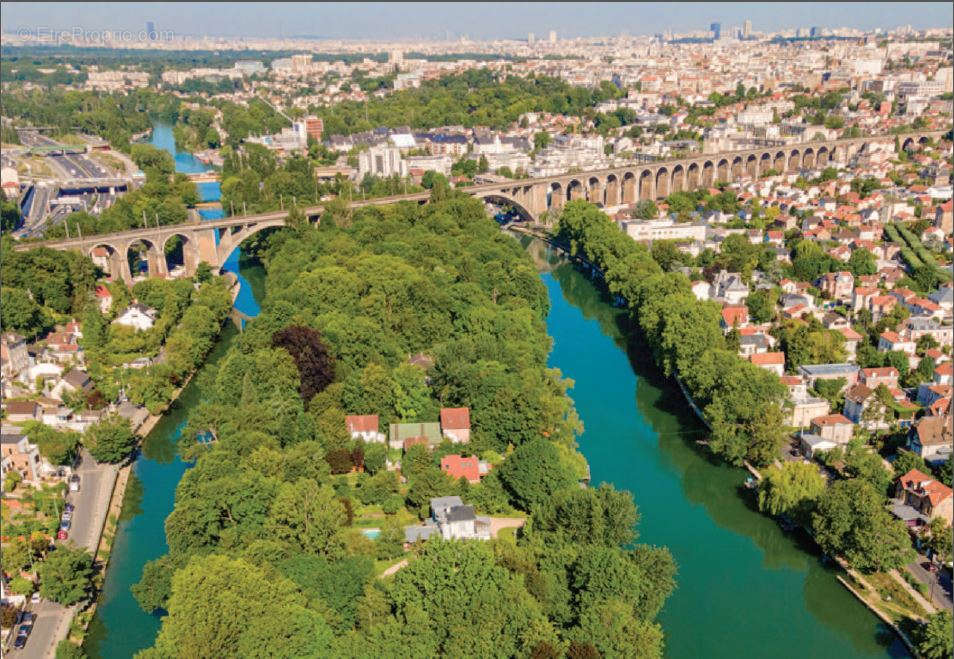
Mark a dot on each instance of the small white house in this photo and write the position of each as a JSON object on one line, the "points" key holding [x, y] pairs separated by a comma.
{"points": [[364, 427], [701, 290], [138, 316]]}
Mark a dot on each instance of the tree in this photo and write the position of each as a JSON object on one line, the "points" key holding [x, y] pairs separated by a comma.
{"points": [[459, 587], [851, 521], [645, 210], [224, 607], [762, 303], [908, 460], [296, 220], [792, 489], [940, 542], [613, 629], [66, 574], [22, 314], [936, 639], [667, 253], [589, 516], [307, 517], [67, 649], [153, 590], [482, 165], [110, 439], [533, 473], [541, 140], [862, 262], [9, 615], [315, 365], [59, 447]]}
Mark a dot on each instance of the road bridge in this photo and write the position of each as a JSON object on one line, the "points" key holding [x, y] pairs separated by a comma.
{"points": [[531, 197]]}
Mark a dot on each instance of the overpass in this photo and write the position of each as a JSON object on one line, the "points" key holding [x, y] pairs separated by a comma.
{"points": [[533, 198]]}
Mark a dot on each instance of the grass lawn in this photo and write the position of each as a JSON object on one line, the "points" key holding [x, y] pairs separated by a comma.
{"points": [[112, 162], [892, 598]]}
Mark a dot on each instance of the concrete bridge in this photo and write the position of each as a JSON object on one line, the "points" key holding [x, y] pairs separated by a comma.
{"points": [[530, 197]]}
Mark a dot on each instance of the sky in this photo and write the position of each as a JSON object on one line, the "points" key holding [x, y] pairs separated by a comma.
{"points": [[479, 20]]}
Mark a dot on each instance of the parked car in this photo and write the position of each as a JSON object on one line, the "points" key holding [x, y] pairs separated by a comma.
{"points": [[20, 643], [62, 535], [68, 507], [27, 618], [65, 525], [74, 483], [35, 598], [67, 515]]}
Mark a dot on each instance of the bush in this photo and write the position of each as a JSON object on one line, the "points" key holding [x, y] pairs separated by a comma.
{"points": [[392, 504]]}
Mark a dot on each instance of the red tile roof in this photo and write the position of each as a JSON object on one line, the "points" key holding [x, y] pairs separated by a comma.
{"points": [[362, 422], [455, 418], [831, 420], [457, 467], [768, 358], [921, 484]]}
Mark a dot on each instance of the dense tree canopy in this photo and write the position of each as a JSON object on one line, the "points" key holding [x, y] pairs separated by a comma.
{"points": [[275, 497]]}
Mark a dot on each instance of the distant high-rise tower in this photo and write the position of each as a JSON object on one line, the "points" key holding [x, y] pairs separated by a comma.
{"points": [[150, 30], [530, 38], [814, 32], [716, 30], [747, 29], [552, 36]]}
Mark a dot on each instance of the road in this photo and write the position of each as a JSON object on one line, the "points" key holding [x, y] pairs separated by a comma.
{"points": [[941, 590], [92, 502]]}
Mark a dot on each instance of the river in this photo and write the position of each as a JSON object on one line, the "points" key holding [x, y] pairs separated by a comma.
{"points": [[745, 588], [120, 628]]}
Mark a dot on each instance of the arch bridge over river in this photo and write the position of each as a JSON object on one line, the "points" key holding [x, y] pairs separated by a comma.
{"points": [[212, 241]]}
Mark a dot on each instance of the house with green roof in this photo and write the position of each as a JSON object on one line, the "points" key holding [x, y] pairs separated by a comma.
{"points": [[405, 435]]}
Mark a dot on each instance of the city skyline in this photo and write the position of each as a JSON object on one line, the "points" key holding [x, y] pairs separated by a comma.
{"points": [[479, 21]]}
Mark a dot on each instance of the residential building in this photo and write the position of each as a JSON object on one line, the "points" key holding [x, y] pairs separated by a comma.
{"points": [[814, 372], [138, 316], [770, 361], [364, 427], [382, 161], [835, 427], [931, 437], [13, 354], [405, 435], [920, 498], [872, 377], [18, 454], [470, 467], [455, 424], [452, 520]]}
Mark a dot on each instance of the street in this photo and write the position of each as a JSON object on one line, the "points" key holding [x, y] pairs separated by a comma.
{"points": [[91, 502], [941, 590]]}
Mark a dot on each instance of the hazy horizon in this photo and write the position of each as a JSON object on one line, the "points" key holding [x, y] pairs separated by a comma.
{"points": [[400, 21]]}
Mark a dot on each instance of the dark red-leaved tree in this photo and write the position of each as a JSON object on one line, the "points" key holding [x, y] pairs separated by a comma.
{"points": [[316, 366]]}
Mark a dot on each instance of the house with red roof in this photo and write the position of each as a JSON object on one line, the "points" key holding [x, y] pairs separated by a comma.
{"points": [[770, 361], [890, 341], [734, 316], [920, 498], [455, 424], [456, 467], [364, 427], [872, 377]]}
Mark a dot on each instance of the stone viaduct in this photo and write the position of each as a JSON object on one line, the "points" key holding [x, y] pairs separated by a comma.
{"points": [[213, 241]]}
